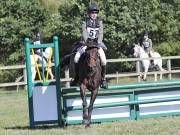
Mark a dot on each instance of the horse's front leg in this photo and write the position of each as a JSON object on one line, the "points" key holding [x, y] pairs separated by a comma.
{"points": [[90, 108], [84, 103]]}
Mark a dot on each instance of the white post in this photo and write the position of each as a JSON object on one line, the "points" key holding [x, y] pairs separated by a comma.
{"points": [[138, 70], [169, 69], [117, 80], [155, 77], [25, 77], [67, 77]]}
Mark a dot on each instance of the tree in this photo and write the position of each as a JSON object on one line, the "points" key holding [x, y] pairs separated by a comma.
{"points": [[124, 23], [19, 19]]}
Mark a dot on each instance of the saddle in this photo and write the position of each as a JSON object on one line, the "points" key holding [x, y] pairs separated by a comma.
{"points": [[77, 45]]}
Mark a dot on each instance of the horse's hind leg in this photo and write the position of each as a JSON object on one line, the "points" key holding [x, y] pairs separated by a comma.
{"points": [[84, 103], [90, 108], [160, 68]]}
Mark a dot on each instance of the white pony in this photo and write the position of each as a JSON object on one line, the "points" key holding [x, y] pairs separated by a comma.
{"points": [[37, 58], [145, 63]]}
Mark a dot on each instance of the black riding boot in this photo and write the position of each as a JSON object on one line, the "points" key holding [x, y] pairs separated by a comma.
{"points": [[151, 61], [103, 81], [76, 78]]}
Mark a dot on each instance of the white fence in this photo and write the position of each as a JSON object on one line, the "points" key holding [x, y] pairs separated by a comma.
{"points": [[169, 71]]}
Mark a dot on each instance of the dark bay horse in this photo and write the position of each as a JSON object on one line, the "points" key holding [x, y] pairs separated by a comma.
{"points": [[89, 79]]}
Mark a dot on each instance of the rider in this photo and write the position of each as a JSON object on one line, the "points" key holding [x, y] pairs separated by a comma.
{"points": [[37, 41], [38, 51], [92, 33], [147, 45]]}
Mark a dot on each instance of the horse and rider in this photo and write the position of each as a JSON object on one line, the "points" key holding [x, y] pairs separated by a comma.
{"points": [[38, 51], [92, 35], [89, 60], [41, 56], [144, 50]]}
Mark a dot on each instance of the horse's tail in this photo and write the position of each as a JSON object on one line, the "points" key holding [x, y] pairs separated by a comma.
{"points": [[65, 60]]}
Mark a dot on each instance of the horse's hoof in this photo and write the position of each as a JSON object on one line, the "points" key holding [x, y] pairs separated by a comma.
{"points": [[87, 126], [85, 122]]}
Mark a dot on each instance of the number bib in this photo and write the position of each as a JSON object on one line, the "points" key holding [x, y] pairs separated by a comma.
{"points": [[92, 32], [146, 44]]}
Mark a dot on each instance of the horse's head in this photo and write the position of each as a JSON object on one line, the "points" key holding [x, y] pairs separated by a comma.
{"points": [[48, 52], [91, 58], [137, 50]]}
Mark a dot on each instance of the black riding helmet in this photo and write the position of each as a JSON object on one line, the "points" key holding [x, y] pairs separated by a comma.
{"points": [[93, 7], [38, 36], [146, 33]]}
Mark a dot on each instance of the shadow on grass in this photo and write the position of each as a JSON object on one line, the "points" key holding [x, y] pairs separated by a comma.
{"points": [[44, 127]]}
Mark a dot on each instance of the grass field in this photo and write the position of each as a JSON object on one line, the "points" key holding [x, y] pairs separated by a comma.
{"points": [[14, 121]]}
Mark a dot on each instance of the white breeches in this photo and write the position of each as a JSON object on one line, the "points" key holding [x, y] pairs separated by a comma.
{"points": [[82, 50], [45, 53]]}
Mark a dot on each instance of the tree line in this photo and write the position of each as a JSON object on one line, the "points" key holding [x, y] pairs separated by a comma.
{"points": [[124, 23]]}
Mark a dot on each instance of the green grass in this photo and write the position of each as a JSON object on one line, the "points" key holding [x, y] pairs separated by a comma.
{"points": [[14, 121]]}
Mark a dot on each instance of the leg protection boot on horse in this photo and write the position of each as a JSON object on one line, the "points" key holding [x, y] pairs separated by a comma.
{"points": [[103, 81], [76, 78]]}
